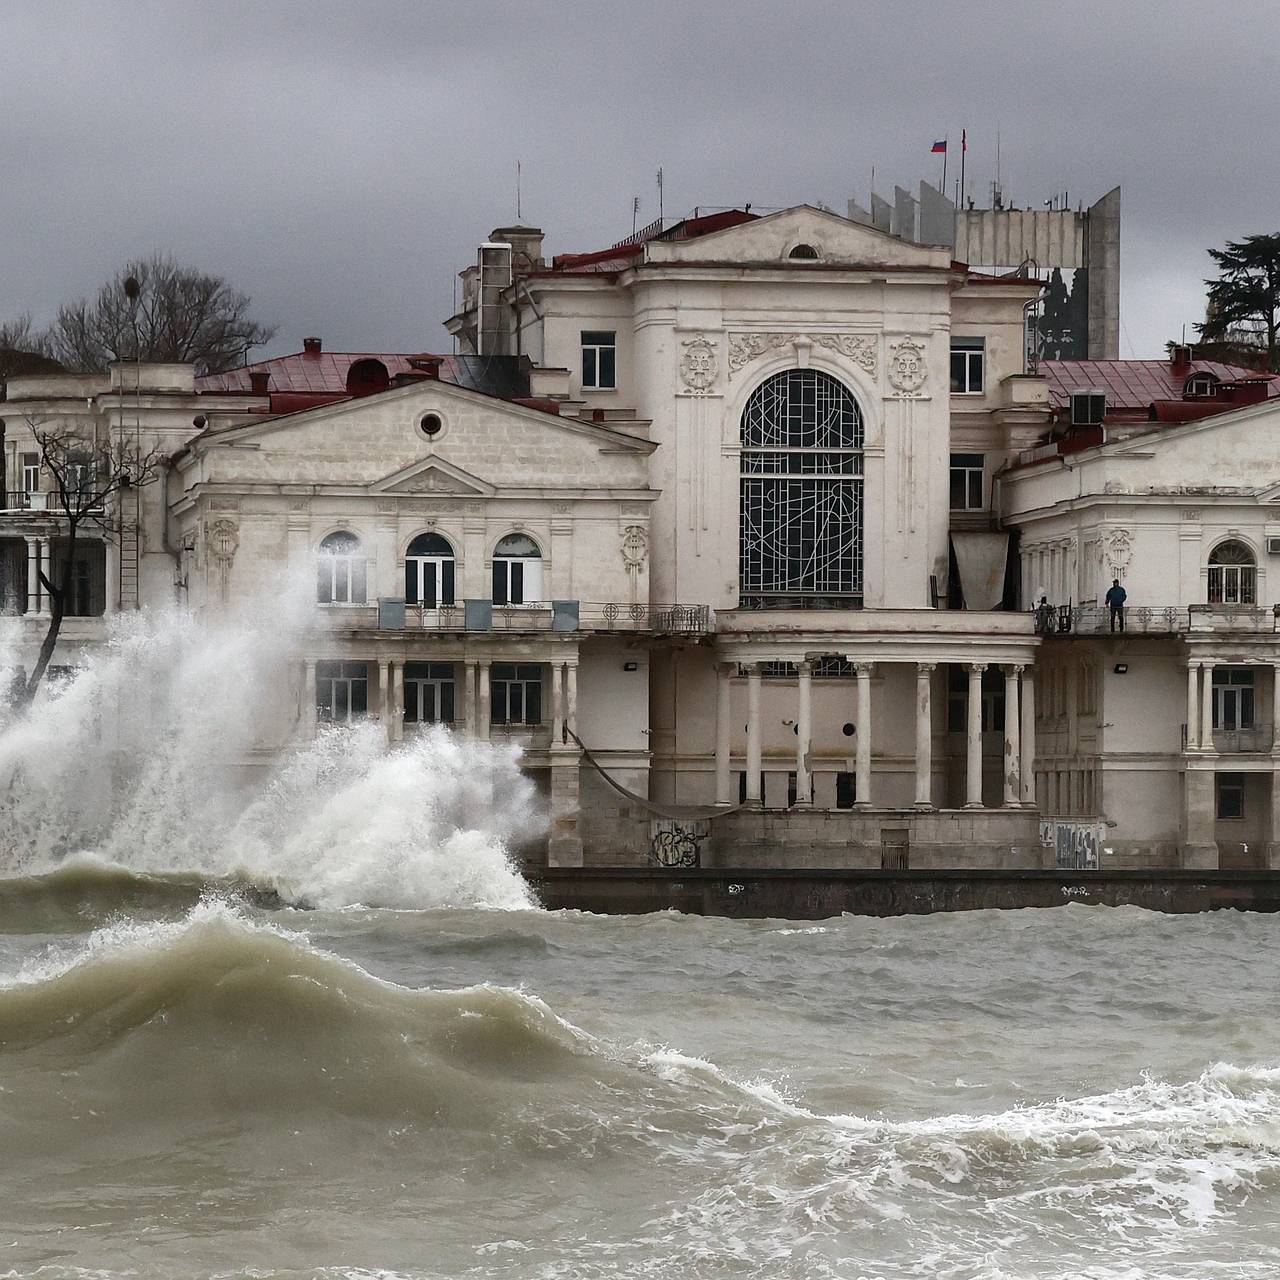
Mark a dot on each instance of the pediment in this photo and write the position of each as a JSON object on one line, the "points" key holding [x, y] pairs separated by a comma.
{"points": [[434, 476], [838, 241]]}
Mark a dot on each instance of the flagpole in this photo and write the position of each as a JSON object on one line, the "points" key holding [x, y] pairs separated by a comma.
{"points": [[944, 168], [964, 147]]}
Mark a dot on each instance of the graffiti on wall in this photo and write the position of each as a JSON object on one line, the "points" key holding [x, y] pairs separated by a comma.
{"points": [[1077, 846], [676, 844]]}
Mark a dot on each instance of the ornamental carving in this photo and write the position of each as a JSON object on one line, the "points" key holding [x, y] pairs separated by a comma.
{"points": [[635, 547], [698, 365], [907, 367], [223, 541], [858, 347], [1118, 549]]}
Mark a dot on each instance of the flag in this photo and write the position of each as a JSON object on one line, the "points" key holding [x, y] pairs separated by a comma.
{"points": [[964, 140], [939, 147]]}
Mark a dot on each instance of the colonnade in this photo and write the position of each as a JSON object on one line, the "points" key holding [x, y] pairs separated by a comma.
{"points": [[1200, 705], [39, 561], [477, 696], [1019, 735]]}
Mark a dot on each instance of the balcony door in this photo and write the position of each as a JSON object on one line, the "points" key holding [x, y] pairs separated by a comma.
{"points": [[1232, 698], [429, 572], [428, 693]]}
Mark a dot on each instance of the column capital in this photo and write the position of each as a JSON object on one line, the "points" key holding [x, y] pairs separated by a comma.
{"points": [[804, 667], [976, 668], [924, 668], [1014, 668], [752, 667], [863, 669]]}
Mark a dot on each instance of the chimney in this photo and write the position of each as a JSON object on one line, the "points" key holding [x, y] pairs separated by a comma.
{"points": [[1180, 358], [311, 346], [526, 246], [1250, 390], [259, 381], [429, 366]]}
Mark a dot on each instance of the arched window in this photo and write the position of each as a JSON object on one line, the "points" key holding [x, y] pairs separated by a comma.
{"points": [[517, 570], [1233, 574], [801, 493], [364, 377], [1199, 385], [804, 252], [342, 570], [429, 571]]}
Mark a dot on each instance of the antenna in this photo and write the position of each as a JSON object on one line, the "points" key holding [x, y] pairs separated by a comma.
{"points": [[659, 198], [635, 213], [517, 190]]}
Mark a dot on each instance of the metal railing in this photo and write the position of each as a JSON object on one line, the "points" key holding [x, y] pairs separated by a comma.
{"points": [[24, 500], [1093, 619], [1254, 737], [480, 616]]}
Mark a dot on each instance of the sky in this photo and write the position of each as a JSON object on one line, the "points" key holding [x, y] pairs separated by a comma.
{"points": [[339, 162]]}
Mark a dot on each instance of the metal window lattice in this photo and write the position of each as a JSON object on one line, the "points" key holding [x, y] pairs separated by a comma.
{"points": [[801, 491]]}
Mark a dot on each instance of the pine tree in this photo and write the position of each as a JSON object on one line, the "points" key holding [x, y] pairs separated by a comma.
{"points": [[1244, 302]]}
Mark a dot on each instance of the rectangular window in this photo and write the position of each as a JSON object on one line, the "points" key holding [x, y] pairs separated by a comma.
{"points": [[517, 581], [342, 691], [1232, 698], [966, 481], [968, 356], [846, 790], [792, 790], [30, 473], [599, 360], [341, 579], [429, 691], [516, 693], [1230, 795]]}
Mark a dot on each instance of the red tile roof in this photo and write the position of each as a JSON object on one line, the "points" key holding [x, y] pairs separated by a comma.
{"points": [[1134, 385], [323, 374]]}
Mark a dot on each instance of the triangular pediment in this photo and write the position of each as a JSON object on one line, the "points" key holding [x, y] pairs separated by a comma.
{"points": [[434, 476], [837, 241]]}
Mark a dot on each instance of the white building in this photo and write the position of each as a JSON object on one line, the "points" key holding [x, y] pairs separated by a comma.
{"points": [[729, 504]]}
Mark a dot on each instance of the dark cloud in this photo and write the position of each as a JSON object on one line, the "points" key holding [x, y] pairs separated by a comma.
{"points": [[339, 162]]}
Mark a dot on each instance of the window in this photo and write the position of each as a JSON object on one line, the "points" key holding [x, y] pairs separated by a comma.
{"points": [[341, 571], [804, 252], [792, 790], [517, 570], [967, 358], [428, 692], [516, 693], [1199, 384], [30, 473], [801, 495], [1230, 788], [599, 360], [429, 572], [742, 788], [1232, 698], [846, 790], [966, 481], [342, 691], [1233, 574]]}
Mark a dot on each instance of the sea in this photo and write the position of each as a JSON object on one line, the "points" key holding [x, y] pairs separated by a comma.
{"points": [[306, 1019]]}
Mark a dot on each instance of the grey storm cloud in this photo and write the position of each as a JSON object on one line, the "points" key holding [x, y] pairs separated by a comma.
{"points": [[339, 162]]}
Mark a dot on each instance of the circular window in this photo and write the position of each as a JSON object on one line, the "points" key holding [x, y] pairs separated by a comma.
{"points": [[431, 426], [848, 730]]}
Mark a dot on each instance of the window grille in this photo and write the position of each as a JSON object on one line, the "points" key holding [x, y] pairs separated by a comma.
{"points": [[801, 495], [1233, 575]]}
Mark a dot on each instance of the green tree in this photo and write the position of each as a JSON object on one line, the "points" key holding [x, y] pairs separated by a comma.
{"points": [[1244, 302]]}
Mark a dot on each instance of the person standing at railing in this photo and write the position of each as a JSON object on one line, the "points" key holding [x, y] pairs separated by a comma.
{"points": [[1115, 603]]}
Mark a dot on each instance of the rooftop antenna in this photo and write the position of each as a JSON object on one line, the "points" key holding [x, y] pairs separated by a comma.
{"points": [[659, 198], [635, 213], [518, 191]]}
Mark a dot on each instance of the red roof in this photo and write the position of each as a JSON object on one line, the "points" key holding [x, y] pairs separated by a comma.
{"points": [[626, 252], [323, 374], [1134, 385]]}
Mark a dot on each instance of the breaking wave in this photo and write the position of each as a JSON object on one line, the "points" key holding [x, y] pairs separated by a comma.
{"points": [[177, 752]]}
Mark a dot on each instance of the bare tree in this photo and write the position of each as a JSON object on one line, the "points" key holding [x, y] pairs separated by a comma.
{"points": [[180, 316], [25, 349], [86, 477]]}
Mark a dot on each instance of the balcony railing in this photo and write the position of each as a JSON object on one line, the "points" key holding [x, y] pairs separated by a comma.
{"points": [[480, 616], [1254, 737], [1092, 619], [25, 500]]}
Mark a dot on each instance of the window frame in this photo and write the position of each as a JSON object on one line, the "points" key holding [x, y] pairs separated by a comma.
{"points": [[524, 677], [346, 567], [594, 364], [1234, 690], [443, 575], [972, 471], [973, 353], [516, 576], [1232, 582], [351, 681], [442, 679], [30, 463], [1229, 784]]}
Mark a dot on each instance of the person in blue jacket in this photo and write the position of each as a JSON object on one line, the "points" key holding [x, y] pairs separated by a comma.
{"points": [[1115, 603]]}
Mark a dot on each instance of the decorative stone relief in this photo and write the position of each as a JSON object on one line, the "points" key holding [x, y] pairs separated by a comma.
{"points": [[1118, 548], [635, 547], [698, 365], [907, 367], [858, 347], [223, 541]]}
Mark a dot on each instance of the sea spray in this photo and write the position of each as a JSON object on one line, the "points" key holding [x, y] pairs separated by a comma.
{"points": [[179, 748]]}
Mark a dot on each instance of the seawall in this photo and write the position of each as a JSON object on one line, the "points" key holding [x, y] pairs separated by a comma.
{"points": [[815, 894]]}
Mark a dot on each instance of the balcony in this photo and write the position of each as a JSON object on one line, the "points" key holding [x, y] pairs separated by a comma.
{"points": [[481, 616], [1251, 738], [23, 500], [1202, 619]]}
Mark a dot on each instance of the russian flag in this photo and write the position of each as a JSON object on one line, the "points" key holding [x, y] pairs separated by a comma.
{"points": [[939, 147]]}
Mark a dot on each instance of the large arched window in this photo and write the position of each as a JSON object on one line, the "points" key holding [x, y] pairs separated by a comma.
{"points": [[342, 570], [1233, 574], [429, 571], [517, 570], [801, 533]]}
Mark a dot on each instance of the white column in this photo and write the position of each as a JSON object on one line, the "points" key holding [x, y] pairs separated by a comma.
{"points": [[1012, 753], [46, 567], [397, 702], [924, 736], [862, 756], [973, 742], [1193, 706], [557, 713], [724, 713], [753, 734], [469, 698], [33, 580], [571, 697], [1206, 706], [804, 733], [309, 699], [482, 699], [384, 694], [1029, 737]]}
